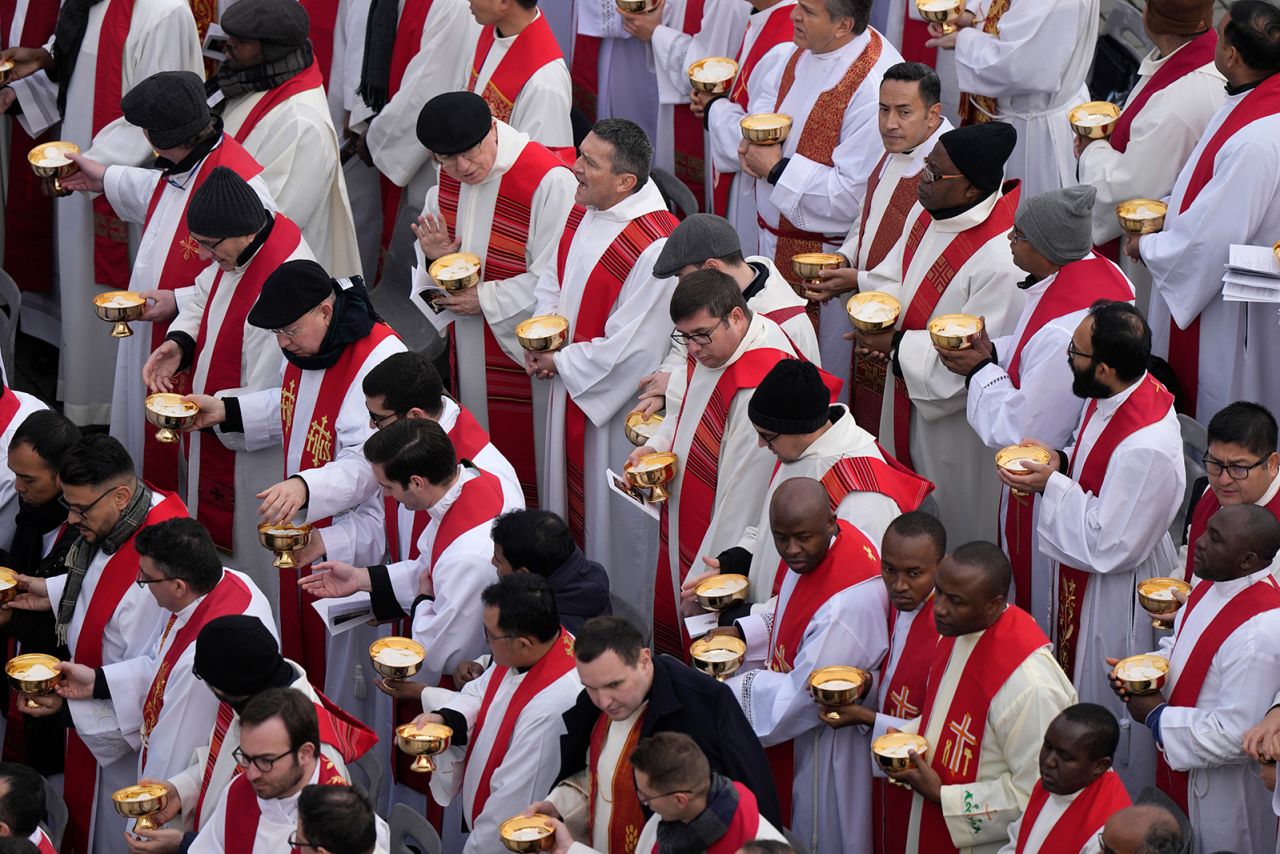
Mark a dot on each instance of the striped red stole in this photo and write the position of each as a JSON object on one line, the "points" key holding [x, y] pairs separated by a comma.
{"points": [[533, 48], [243, 812], [1086, 815], [868, 474], [1146, 405], [584, 73], [977, 109], [220, 726], [690, 154], [599, 294], [626, 818], [509, 389], [933, 285], [217, 486], [110, 233]]}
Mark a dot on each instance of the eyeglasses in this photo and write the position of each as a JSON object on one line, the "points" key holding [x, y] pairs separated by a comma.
{"points": [[263, 763], [470, 155], [488, 638], [142, 580], [644, 802], [84, 511], [702, 339], [208, 246], [1016, 236], [1106, 849], [1073, 353], [930, 174], [378, 420], [1235, 471], [768, 438], [292, 331], [296, 842]]}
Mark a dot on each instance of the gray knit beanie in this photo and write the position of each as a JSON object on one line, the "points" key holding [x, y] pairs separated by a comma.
{"points": [[1059, 224]]}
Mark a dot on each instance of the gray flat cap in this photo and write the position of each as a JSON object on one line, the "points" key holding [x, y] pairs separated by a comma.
{"points": [[700, 237]]}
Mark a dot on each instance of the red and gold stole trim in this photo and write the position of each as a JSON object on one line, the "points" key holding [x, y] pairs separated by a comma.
{"points": [[690, 155], [998, 653], [626, 818], [933, 285], [110, 233], [599, 294], [1076, 827], [976, 109], [220, 726], [533, 48], [1148, 403], [555, 663], [240, 833], [1195, 54]]}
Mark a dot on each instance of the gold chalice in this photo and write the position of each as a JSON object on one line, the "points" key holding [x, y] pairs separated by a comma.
{"points": [[640, 429], [891, 750], [1275, 250], [718, 655], [634, 7], [284, 539], [423, 743], [1156, 596], [34, 674], [8, 585], [722, 591], [456, 271], [1094, 119], [942, 12], [528, 833], [1142, 674], [170, 413], [49, 160], [809, 266], [838, 686], [713, 74], [543, 333], [118, 308], [1010, 459], [141, 802], [765, 128], [396, 658], [952, 331], [6, 68], [873, 311], [653, 472], [1141, 216]]}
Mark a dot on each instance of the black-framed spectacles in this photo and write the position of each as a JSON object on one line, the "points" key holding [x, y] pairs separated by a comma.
{"points": [[208, 246], [702, 339], [644, 802], [1235, 471], [378, 420], [295, 842], [262, 763], [142, 580], [1073, 353], [768, 438], [83, 511]]}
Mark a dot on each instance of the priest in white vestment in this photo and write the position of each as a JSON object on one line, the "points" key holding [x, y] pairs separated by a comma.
{"points": [[1221, 356], [617, 333], [960, 194], [17, 406], [512, 729], [613, 75], [1027, 66], [1106, 505], [150, 36]]}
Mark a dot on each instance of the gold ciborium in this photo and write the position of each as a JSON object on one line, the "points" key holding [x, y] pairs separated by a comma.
{"points": [[1141, 216], [653, 472], [170, 413], [6, 68], [765, 128], [891, 750], [718, 655], [712, 74], [34, 674], [952, 331], [118, 308], [640, 429], [141, 802], [8, 585], [809, 267], [456, 271], [942, 12], [633, 7], [1094, 119], [722, 591], [49, 160], [284, 539], [1156, 596], [873, 311], [526, 834], [1010, 459], [423, 743], [1142, 674], [543, 333], [838, 686], [396, 658]]}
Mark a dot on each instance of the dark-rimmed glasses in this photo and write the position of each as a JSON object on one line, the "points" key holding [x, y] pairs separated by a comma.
{"points": [[83, 511], [702, 339], [1235, 471], [263, 763]]}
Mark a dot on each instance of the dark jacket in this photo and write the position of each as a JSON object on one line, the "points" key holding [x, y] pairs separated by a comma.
{"points": [[581, 588], [684, 700]]}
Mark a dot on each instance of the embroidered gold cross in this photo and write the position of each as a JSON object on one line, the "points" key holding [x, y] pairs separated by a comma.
{"points": [[287, 399], [902, 708], [959, 748], [189, 248], [319, 442]]}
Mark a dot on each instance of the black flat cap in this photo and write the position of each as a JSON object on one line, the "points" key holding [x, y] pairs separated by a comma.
{"points": [[454, 122], [225, 206], [281, 24], [237, 655], [170, 106], [291, 291], [980, 151]]}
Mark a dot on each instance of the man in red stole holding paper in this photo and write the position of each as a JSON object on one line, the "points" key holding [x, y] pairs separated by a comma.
{"points": [[1223, 676], [506, 724], [1219, 351], [832, 610], [1106, 504], [992, 689], [1077, 791], [104, 618], [1019, 385]]}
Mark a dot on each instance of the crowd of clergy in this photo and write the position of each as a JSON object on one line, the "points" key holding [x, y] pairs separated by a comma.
{"points": [[521, 487]]}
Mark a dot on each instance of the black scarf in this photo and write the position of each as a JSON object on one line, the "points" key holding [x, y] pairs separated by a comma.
{"points": [[353, 319], [379, 43], [198, 153], [695, 837], [68, 35], [259, 78], [31, 525]]}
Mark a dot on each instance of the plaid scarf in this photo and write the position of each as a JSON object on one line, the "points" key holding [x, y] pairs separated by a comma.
{"points": [[83, 552], [259, 78], [675, 837]]}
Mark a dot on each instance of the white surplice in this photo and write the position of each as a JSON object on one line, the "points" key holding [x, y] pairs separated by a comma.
{"points": [[1229, 804], [1055, 806], [1035, 69], [532, 759], [628, 86], [831, 793], [1119, 537], [129, 189], [162, 37], [1042, 407], [944, 447], [869, 512], [601, 376], [1238, 341], [541, 108], [27, 405], [570, 796]]}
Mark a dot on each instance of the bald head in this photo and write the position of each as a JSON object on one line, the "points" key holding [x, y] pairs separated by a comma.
{"points": [[800, 498], [802, 523], [1239, 540], [1142, 829]]}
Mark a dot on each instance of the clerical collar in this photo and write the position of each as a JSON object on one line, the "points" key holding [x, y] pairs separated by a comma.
{"points": [[260, 238], [1245, 87], [952, 213], [757, 284], [1029, 282]]}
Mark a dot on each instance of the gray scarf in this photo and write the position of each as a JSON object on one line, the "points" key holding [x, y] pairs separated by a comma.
{"points": [[82, 554], [259, 78], [707, 827]]}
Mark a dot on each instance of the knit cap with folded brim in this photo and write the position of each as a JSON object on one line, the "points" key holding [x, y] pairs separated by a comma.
{"points": [[1059, 224], [236, 654], [791, 400], [170, 106], [1179, 17], [225, 206]]}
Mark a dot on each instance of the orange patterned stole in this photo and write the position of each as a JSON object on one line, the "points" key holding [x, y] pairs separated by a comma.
{"points": [[976, 109]]}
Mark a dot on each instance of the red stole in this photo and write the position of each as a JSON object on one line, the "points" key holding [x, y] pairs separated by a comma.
{"points": [[82, 768], [510, 390], [998, 653], [534, 47], [302, 632], [1076, 287], [690, 156], [555, 663], [1146, 405], [1195, 54], [889, 477], [220, 726], [1259, 597], [217, 486], [1086, 815], [44, 846], [240, 833], [9, 406], [743, 828], [626, 818], [413, 18], [977, 109], [1184, 344], [341, 731], [599, 294], [305, 80], [584, 73], [934, 284], [110, 234], [324, 21], [1205, 508]]}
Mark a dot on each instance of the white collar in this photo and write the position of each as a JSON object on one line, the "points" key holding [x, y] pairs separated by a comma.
{"points": [[465, 473], [1107, 406]]}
